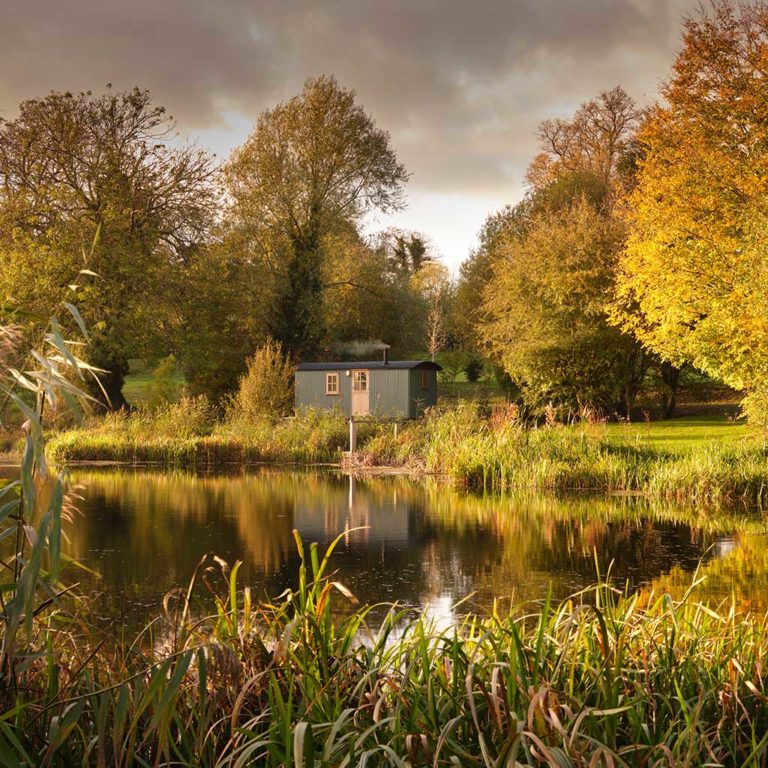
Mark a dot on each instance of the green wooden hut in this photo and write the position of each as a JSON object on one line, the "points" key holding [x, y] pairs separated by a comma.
{"points": [[388, 389]]}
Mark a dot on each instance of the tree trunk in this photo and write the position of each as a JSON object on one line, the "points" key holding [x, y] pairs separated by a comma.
{"points": [[113, 386], [670, 377], [635, 371], [110, 394], [297, 320]]}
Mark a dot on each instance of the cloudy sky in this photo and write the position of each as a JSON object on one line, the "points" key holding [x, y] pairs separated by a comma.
{"points": [[460, 84]]}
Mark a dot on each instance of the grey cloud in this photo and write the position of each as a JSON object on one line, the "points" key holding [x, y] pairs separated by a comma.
{"points": [[460, 85]]}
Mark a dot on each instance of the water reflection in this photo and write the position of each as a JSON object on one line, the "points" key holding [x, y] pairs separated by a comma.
{"points": [[416, 543]]}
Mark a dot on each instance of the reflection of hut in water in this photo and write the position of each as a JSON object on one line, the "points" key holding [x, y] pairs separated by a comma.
{"points": [[365, 516]]}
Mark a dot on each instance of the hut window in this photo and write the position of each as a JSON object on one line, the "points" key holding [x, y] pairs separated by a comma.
{"points": [[360, 381], [331, 383], [424, 380]]}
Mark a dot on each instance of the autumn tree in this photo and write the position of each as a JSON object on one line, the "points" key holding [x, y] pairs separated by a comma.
{"points": [[99, 203], [544, 313], [694, 278], [596, 140], [432, 282], [222, 318], [314, 164], [408, 252], [364, 298], [535, 294], [477, 270], [588, 156]]}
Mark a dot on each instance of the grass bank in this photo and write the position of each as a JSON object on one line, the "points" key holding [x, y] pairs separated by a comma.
{"points": [[500, 454], [717, 463], [188, 434], [602, 679]]}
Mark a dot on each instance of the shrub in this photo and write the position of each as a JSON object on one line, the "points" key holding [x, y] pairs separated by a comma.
{"points": [[453, 364], [266, 389], [474, 369], [755, 407], [165, 386]]}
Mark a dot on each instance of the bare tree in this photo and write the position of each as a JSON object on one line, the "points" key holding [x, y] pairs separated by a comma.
{"points": [[437, 335], [593, 140]]}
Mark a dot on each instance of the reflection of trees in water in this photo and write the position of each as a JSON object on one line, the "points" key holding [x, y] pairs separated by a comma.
{"points": [[176, 518], [145, 532], [519, 545], [738, 570]]}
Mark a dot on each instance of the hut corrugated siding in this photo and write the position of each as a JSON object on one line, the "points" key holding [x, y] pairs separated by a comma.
{"points": [[310, 391], [421, 398], [389, 394], [394, 389]]}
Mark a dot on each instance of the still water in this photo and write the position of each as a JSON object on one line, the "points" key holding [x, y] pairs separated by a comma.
{"points": [[421, 544]]}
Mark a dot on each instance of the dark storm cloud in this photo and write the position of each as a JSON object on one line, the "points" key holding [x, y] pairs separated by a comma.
{"points": [[460, 84]]}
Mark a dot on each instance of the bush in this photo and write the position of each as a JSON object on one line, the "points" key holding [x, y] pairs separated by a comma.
{"points": [[453, 364], [474, 369], [755, 407], [506, 383], [165, 386], [266, 389]]}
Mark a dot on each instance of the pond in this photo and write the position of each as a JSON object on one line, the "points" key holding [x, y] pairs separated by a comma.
{"points": [[421, 544]]}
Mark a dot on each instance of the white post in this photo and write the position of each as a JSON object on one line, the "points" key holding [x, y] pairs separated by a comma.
{"points": [[396, 425], [352, 436]]}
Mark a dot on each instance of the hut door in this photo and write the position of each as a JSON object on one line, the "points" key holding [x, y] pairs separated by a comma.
{"points": [[360, 403]]}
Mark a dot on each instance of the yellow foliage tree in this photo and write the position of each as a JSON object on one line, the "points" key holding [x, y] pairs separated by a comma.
{"points": [[544, 312], [693, 279]]}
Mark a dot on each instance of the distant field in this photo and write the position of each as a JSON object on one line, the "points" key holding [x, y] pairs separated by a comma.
{"points": [[685, 433], [462, 389], [136, 387]]}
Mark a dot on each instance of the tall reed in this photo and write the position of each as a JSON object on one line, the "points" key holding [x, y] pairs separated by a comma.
{"points": [[605, 678]]}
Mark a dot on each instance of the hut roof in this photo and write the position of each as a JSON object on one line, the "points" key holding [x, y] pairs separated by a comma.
{"points": [[395, 365]]}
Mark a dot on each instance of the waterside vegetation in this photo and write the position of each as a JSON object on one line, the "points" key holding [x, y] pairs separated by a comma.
{"points": [[495, 452], [602, 679]]}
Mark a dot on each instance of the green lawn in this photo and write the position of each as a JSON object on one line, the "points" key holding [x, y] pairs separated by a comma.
{"points": [[685, 433], [136, 387]]}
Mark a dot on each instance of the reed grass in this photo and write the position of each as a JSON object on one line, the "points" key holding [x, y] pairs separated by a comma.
{"points": [[478, 453], [175, 437], [460, 443], [605, 678]]}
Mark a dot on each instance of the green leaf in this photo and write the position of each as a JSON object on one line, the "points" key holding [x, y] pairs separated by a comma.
{"points": [[303, 746], [72, 309]]}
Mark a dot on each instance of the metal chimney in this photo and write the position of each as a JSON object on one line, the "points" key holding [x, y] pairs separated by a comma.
{"points": [[386, 355]]}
